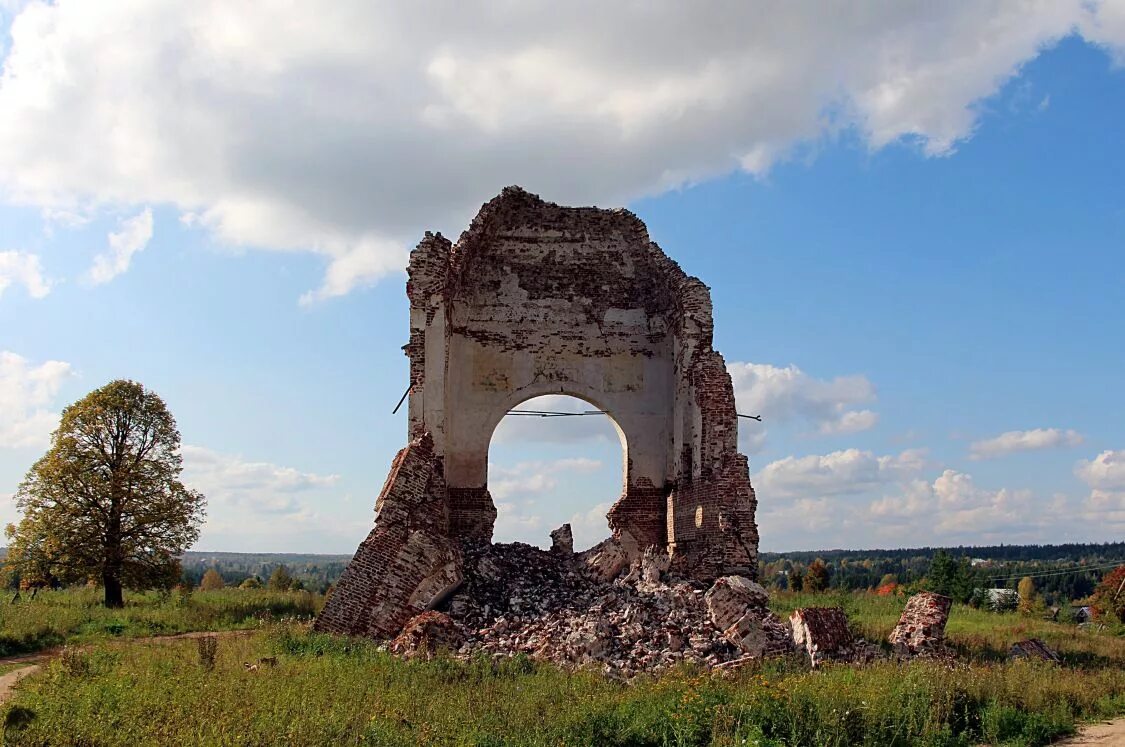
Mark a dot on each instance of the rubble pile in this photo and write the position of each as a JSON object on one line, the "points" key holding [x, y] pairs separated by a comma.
{"points": [[428, 634], [519, 599], [921, 628], [1033, 648]]}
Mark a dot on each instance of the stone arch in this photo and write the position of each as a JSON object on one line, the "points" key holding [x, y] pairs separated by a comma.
{"points": [[535, 298], [519, 398], [607, 488]]}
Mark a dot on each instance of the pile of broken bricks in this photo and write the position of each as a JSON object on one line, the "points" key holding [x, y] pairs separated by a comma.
{"points": [[596, 610]]}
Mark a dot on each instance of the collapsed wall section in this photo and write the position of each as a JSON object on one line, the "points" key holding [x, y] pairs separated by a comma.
{"points": [[408, 563]]}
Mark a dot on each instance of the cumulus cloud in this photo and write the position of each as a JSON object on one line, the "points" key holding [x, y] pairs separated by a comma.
{"points": [[27, 393], [261, 488], [259, 506], [132, 236], [522, 491], [1105, 474], [954, 505], [528, 479], [850, 471], [1012, 442], [787, 395], [1105, 471], [23, 268], [333, 130]]}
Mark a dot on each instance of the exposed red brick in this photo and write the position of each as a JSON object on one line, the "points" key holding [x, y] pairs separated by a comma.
{"points": [[921, 627]]}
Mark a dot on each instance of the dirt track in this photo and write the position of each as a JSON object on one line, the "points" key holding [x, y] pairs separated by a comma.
{"points": [[36, 660], [1107, 734]]}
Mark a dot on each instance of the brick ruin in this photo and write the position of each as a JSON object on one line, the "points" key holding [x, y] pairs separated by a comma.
{"points": [[539, 299]]}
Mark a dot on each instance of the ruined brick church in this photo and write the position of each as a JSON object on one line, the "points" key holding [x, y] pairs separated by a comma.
{"points": [[539, 299]]}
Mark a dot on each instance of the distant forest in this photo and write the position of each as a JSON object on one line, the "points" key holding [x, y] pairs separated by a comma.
{"points": [[1061, 572], [315, 572]]}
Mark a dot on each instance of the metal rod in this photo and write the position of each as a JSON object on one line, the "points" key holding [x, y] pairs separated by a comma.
{"points": [[401, 400], [750, 417]]}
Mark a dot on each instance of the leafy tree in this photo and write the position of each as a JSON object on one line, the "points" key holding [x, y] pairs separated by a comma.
{"points": [[1026, 590], [816, 578], [212, 580], [1108, 599], [888, 579], [796, 582], [105, 502], [251, 583], [281, 579]]}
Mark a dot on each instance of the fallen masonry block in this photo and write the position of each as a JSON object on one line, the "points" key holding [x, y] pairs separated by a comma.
{"points": [[426, 635], [921, 628], [822, 632], [562, 541], [738, 607], [730, 597], [606, 560], [1033, 648]]}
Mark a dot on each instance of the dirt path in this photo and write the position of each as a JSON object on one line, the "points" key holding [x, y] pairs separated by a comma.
{"points": [[35, 661], [1106, 734]]}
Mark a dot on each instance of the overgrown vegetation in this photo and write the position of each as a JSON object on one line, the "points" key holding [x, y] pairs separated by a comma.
{"points": [[76, 615], [332, 691], [977, 634]]}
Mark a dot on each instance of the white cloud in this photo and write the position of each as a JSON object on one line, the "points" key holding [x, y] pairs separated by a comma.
{"points": [[590, 527], [27, 393], [527, 479], [788, 395], [132, 236], [955, 506], [840, 473], [521, 492], [1105, 471], [1105, 474], [333, 130], [25, 269], [258, 506], [262, 488], [1013, 442]]}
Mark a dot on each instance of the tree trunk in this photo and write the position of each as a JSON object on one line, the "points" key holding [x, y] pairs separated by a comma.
{"points": [[113, 595]]}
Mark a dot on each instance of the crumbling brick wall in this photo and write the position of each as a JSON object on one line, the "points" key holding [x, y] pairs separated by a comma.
{"points": [[409, 562], [536, 299]]}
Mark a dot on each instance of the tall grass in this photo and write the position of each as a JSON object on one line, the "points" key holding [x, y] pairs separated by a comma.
{"points": [[334, 691], [77, 615]]}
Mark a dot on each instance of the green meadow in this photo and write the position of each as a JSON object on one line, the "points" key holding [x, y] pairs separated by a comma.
{"points": [[331, 691]]}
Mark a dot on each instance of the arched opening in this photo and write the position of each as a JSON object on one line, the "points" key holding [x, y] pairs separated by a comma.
{"points": [[545, 470]]}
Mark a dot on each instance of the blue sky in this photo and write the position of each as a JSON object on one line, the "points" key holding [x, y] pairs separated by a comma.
{"points": [[924, 298]]}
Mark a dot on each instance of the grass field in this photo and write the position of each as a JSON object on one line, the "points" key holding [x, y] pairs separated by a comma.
{"points": [[328, 691], [334, 691], [76, 615]]}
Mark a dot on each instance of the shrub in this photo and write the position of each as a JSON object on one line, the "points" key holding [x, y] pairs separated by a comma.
{"points": [[211, 581]]}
